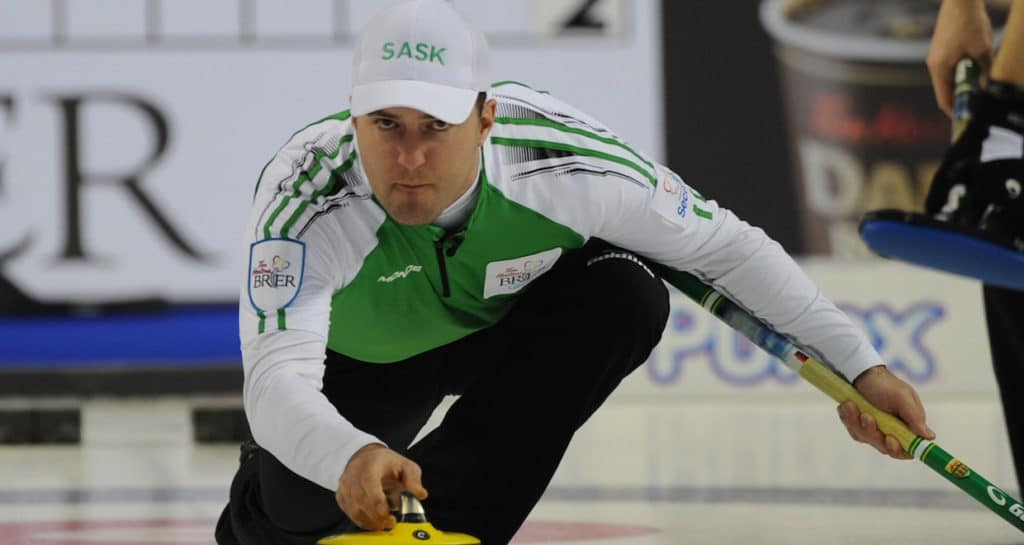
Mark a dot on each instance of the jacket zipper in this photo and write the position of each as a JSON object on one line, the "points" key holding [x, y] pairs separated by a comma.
{"points": [[439, 250]]}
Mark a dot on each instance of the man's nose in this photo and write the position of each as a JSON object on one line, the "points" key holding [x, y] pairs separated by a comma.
{"points": [[412, 152]]}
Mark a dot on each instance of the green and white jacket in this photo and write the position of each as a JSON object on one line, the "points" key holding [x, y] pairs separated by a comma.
{"points": [[329, 269]]}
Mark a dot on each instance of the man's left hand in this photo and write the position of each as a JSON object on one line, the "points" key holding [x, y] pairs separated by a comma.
{"points": [[892, 395]]}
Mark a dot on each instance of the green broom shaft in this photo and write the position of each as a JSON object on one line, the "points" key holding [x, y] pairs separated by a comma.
{"points": [[815, 372]]}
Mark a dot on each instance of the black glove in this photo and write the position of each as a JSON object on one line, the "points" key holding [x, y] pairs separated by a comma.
{"points": [[979, 183]]}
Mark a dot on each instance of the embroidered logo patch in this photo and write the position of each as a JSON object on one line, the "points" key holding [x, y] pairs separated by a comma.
{"points": [[672, 199], [402, 273], [275, 273], [511, 275]]}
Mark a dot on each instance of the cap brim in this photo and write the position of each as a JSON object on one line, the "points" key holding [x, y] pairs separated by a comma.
{"points": [[449, 104]]}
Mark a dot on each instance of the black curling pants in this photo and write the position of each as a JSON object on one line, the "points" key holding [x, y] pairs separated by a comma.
{"points": [[525, 385], [1004, 314]]}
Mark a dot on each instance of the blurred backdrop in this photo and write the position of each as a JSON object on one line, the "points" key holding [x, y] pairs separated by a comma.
{"points": [[132, 133]]}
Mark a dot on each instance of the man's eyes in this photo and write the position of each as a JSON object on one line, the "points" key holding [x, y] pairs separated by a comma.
{"points": [[384, 123]]}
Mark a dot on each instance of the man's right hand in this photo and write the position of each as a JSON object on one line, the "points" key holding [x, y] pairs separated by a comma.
{"points": [[371, 484], [962, 29]]}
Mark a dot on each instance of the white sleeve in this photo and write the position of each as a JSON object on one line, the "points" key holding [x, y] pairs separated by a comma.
{"points": [[284, 315], [288, 414], [283, 322], [676, 227], [284, 332]]}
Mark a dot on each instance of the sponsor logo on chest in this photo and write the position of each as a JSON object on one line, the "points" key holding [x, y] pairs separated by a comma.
{"points": [[402, 273], [511, 275]]}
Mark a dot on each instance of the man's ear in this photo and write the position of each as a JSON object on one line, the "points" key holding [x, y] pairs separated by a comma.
{"points": [[487, 115]]}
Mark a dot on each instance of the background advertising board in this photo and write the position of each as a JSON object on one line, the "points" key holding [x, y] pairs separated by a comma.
{"points": [[928, 327], [132, 133]]}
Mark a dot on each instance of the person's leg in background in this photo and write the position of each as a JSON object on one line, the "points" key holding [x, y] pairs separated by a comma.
{"points": [[562, 350], [1004, 314]]}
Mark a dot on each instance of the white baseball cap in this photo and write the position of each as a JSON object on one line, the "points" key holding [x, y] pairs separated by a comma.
{"points": [[419, 54]]}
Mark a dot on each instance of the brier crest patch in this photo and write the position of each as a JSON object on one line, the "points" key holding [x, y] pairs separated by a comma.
{"points": [[511, 275], [275, 273]]}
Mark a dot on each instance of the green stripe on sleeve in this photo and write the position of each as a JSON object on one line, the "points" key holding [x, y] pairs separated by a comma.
{"points": [[303, 177], [577, 150], [701, 212], [281, 322], [572, 130], [340, 116], [319, 193], [287, 198]]}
